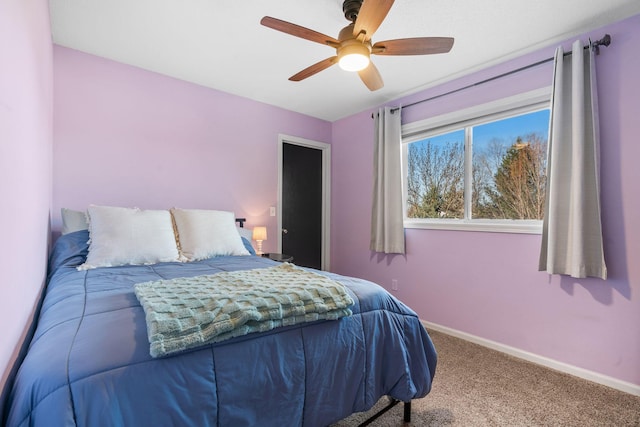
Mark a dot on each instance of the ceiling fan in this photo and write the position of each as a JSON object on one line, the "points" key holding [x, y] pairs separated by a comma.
{"points": [[354, 46]]}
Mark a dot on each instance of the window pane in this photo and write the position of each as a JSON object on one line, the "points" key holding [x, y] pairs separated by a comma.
{"points": [[509, 167], [435, 177]]}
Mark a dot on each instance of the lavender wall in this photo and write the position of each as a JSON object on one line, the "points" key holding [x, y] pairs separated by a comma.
{"points": [[128, 137], [25, 167], [487, 284]]}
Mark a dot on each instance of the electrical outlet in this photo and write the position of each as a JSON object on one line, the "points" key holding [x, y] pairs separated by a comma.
{"points": [[272, 211], [394, 284]]}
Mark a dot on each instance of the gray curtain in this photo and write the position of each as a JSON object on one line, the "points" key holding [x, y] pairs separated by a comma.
{"points": [[572, 230], [387, 227]]}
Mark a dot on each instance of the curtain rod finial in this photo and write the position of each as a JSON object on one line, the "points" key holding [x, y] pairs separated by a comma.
{"points": [[604, 41]]}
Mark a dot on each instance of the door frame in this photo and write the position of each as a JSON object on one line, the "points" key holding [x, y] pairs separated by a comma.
{"points": [[326, 192]]}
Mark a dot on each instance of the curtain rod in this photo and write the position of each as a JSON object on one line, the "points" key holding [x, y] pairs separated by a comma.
{"points": [[605, 41]]}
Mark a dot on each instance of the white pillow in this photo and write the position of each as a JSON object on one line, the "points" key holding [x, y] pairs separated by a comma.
{"points": [[247, 233], [73, 221], [206, 233], [121, 236]]}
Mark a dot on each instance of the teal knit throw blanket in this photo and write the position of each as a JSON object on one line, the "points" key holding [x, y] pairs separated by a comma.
{"points": [[189, 312]]}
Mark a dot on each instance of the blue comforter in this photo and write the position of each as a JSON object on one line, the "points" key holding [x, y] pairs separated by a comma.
{"points": [[89, 364]]}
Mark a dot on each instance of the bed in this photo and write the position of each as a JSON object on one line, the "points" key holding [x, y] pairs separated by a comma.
{"points": [[89, 362]]}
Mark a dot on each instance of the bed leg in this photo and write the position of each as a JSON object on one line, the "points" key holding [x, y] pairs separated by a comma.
{"points": [[407, 412], [392, 403]]}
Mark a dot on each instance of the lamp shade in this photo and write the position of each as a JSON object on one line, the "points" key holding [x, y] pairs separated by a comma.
{"points": [[259, 233]]}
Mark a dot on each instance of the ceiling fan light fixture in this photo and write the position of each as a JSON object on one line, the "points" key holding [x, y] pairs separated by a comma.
{"points": [[354, 57]]}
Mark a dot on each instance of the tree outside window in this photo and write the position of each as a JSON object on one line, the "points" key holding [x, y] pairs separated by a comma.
{"points": [[508, 171]]}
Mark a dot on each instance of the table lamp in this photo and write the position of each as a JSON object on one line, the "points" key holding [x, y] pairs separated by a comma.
{"points": [[259, 234]]}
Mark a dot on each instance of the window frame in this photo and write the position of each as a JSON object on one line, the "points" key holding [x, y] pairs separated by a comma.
{"points": [[523, 103]]}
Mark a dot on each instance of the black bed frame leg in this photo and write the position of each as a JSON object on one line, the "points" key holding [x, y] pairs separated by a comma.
{"points": [[407, 412], [392, 403]]}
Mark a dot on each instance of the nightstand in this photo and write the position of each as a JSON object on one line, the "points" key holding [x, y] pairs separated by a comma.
{"points": [[279, 257]]}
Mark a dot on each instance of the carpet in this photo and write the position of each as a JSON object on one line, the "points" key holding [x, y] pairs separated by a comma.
{"points": [[477, 386]]}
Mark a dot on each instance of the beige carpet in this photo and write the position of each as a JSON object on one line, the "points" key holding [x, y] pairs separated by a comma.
{"points": [[476, 386]]}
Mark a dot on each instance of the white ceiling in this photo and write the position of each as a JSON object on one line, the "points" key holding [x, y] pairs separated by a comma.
{"points": [[220, 43]]}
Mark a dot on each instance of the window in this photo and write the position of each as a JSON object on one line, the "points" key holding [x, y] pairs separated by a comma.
{"points": [[481, 169]]}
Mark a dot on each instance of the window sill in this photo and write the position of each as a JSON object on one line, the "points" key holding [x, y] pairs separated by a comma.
{"points": [[491, 226]]}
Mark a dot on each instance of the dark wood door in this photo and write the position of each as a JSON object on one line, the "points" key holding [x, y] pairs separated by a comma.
{"points": [[302, 204]]}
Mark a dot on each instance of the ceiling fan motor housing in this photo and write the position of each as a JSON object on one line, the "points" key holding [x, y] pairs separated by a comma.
{"points": [[351, 8], [349, 42]]}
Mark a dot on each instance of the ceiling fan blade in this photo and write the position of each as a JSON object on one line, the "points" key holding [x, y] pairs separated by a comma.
{"points": [[315, 68], [299, 31], [413, 46], [371, 15], [371, 77]]}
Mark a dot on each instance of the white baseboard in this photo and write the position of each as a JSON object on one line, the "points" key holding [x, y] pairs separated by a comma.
{"points": [[595, 377]]}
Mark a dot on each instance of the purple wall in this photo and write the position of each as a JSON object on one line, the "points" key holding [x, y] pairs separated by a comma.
{"points": [[25, 167], [128, 137], [487, 284]]}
